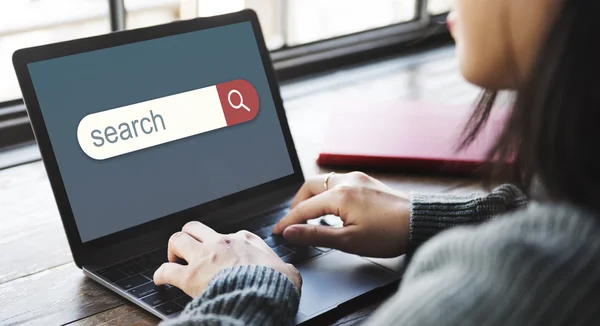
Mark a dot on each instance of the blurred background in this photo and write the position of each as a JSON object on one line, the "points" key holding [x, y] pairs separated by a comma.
{"points": [[286, 23]]}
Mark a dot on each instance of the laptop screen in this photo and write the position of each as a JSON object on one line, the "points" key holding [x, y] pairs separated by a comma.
{"points": [[147, 129]]}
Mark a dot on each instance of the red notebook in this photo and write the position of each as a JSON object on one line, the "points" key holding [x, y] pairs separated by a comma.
{"points": [[407, 136]]}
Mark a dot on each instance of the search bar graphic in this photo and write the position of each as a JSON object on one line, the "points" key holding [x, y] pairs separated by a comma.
{"points": [[130, 128]]}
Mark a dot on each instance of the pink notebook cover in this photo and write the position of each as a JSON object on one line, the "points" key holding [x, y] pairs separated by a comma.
{"points": [[408, 136]]}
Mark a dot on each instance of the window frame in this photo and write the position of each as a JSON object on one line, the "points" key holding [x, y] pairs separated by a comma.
{"points": [[290, 62], [14, 124]]}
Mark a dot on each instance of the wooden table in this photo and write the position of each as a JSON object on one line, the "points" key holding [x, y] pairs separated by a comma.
{"points": [[39, 284]]}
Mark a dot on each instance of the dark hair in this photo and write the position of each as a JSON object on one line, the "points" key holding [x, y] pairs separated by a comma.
{"points": [[552, 133]]}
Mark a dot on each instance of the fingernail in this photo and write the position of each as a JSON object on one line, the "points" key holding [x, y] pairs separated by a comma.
{"points": [[291, 232]]}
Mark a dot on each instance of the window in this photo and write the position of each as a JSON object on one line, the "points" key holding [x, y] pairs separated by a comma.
{"points": [[143, 13], [299, 32], [30, 23], [436, 7], [341, 17]]}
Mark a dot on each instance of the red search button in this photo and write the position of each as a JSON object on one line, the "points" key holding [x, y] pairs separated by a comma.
{"points": [[239, 101]]}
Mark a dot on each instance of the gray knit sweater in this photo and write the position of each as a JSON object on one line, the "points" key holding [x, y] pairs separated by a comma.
{"points": [[538, 265]]}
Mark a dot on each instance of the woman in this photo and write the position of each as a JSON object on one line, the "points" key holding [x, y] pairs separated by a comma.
{"points": [[534, 265]]}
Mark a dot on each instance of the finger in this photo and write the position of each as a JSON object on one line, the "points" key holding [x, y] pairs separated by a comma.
{"points": [[317, 235], [306, 191], [315, 186], [200, 231], [182, 245], [170, 273], [317, 206]]}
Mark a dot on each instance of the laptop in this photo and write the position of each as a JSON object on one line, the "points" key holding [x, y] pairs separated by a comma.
{"points": [[144, 130]]}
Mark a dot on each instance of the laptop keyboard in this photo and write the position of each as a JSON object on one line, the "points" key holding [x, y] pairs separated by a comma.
{"points": [[290, 253], [135, 275]]}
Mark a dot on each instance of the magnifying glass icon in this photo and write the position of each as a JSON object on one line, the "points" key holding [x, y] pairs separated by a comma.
{"points": [[241, 104]]}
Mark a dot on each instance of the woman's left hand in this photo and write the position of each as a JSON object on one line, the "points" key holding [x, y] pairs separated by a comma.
{"points": [[207, 252]]}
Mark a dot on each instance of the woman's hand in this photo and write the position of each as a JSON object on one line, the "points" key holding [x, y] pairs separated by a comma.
{"points": [[208, 252], [376, 218]]}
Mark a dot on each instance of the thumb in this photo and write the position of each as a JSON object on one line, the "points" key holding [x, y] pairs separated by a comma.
{"points": [[316, 235]]}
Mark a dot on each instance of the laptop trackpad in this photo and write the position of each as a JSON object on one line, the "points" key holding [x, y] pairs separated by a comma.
{"points": [[336, 278]]}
